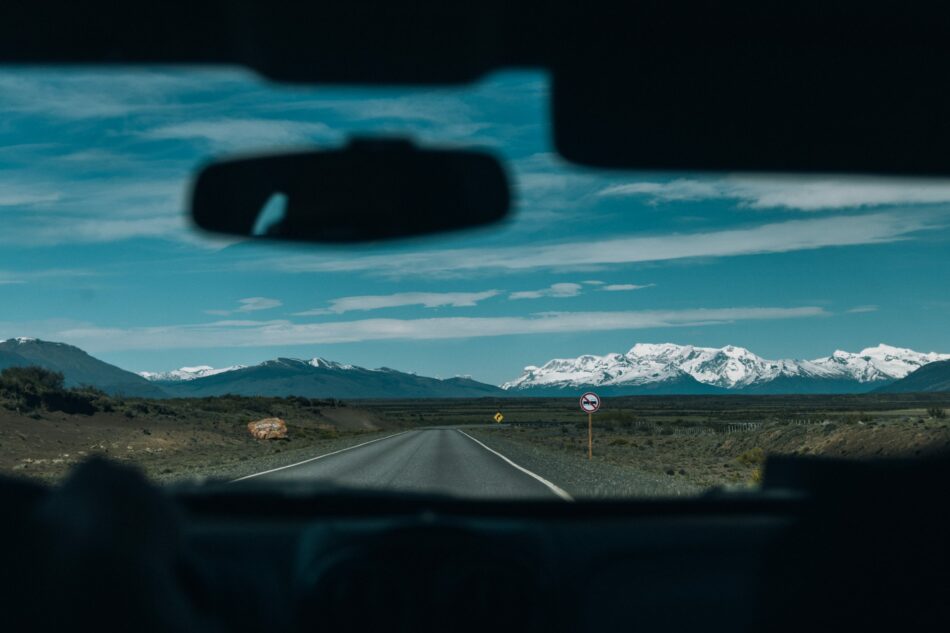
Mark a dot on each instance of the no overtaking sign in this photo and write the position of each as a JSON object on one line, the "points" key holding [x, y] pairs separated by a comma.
{"points": [[590, 402]]}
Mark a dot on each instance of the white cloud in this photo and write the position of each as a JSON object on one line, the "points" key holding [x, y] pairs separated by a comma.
{"points": [[792, 192], [554, 290], [593, 282], [234, 133], [10, 197], [779, 237], [624, 287], [253, 304], [861, 309], [283, 332], [249, 304], [399, 299]]}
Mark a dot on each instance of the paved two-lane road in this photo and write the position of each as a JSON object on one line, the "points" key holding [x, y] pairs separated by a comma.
{"points": [[440, 461]]}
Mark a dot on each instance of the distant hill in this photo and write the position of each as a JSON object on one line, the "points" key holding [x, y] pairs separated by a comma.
{"points": [[77, 367], [930, 377], [320, 378]]}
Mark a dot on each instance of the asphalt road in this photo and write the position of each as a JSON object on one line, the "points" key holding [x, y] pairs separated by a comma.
{"points": [[440, 461]]}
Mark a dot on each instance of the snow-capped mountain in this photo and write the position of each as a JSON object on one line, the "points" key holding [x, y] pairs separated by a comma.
{"points": [[186, 373], [878, 363], [329, 364], [728, 368]]}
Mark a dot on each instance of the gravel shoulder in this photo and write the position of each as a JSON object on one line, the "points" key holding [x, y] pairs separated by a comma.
{"points": [[580, 477]]}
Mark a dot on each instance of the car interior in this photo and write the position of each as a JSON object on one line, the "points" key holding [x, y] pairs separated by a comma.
{"points": [[806, 87]]}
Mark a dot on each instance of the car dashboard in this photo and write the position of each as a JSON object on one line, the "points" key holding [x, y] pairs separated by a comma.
{"points": [[858, 544]]}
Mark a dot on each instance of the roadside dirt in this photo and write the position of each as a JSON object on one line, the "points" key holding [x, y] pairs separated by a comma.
{"points": [[728, 455], [167, 443]]}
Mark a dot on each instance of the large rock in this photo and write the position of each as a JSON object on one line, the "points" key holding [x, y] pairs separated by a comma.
{"points": [[268, 429]]}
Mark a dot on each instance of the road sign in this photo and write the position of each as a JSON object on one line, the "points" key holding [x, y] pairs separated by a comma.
{"points": [[499, 417], [590, 402]]}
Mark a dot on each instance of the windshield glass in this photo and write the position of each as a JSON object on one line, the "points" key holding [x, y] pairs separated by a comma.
{"points": [[714, 318]]}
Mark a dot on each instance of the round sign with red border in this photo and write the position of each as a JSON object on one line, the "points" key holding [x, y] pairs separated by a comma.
{"points": [[590, 402]]}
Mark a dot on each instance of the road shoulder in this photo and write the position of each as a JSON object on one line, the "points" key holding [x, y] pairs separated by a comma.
{"points": [[578, 476]]}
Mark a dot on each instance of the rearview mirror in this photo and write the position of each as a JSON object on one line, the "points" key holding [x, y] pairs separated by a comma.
{"points": [[371, 189]]}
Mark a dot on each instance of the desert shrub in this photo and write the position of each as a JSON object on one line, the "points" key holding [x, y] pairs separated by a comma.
{"points": [[23, 388], [69, 402], [756, 477], [26, 389], [620, 419], [91, 391], [937, 413], [751, 457], [618, 442], [31, 379]]}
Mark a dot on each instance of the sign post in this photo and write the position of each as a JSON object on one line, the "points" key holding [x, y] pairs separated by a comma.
{"points": [[590, 402], [499, 417]]}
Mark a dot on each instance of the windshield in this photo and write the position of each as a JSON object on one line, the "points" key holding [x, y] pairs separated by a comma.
{"points": [[713, 319]]}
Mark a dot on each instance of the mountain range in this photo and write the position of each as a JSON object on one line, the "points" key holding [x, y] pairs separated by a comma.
{"points": [[687, 369], [316, 378], [660, 369]]}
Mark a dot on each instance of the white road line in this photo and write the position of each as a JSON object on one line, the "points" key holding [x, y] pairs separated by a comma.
{"points": [[555, 489], [313, 459]]}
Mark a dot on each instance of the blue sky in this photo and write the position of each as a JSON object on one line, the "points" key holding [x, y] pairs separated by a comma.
{"points": [[96, 251]]}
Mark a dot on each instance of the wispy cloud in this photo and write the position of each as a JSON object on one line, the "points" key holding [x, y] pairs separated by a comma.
{"points": [[228, 133], [103, 94], [439, 107], [861, 309], [96, 210], [283, 332], [625, 287], [400, 299], [11, 197], [791, 192], [11, 277], [249, 304], [778, 237], [554, 290]]}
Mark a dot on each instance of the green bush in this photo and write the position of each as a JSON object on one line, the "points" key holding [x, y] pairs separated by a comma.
{"points": [[937, 413]]}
